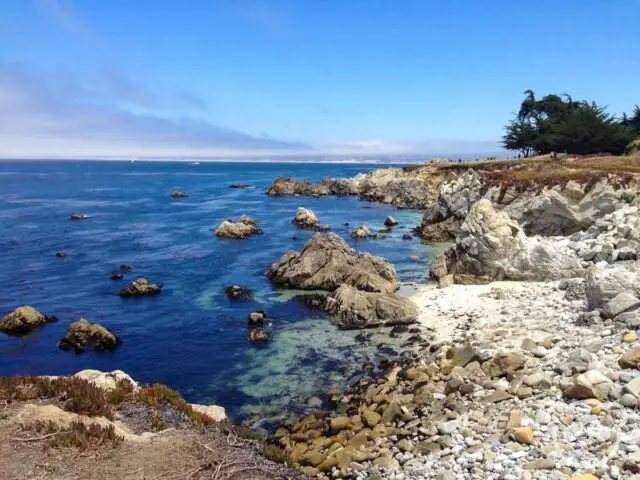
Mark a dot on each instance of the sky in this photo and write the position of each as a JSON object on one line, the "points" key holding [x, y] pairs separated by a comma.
{"points": [[211, 78]]}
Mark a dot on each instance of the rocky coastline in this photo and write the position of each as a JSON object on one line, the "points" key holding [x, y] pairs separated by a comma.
{"points": [[524, 355]]}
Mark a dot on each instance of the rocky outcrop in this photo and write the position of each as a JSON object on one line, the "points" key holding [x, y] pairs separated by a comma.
{"points": [[390, 221], [245, 227], [613, 238], [78, 216], [305, 218], [177, 194], [84, 335], [236, 292], [614, 291], [397, 186], [441, 220], [283, 186], [352, 308], [361, 232], [491, 246], [24, 320], [106, 380], [326, 262], [140, 287], [241, 186]]}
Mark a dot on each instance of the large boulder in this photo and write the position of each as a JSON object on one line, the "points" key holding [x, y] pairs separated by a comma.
{"points": [[305, 218], [326, 262], [613, 290], [83, 335], [353, 308], [491, 246], [397, 186], [23, 320], [243, 228], [139, 288]]}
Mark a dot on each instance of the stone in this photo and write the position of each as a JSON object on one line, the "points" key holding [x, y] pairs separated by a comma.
{"points": [[584, 476], [139, 288], [537, 380], [390, 221], [462, 357], [497, 397], [591, 384], [352, 308], [524, 435], [361, 232], [504, 364], [339, 423], [78, 216], [245, 227], [326, 262], [24, 320], [83, 335], [257, 335], [214, 412], [628, 400], [61, 254], [633, 387], [313, 458], [177, 194], [630, 358], [305, 218], [630, 337], [541, 464], [106, 380], [621, 303], [370, 418], [236, 292], [256, 318]]}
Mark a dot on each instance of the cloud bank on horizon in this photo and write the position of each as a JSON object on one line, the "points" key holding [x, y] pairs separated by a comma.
{"points": [[52, 115]]}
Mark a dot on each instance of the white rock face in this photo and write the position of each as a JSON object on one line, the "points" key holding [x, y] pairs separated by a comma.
{"points": [[215, 412], [492, 246], [305, 218], [105, 380]]}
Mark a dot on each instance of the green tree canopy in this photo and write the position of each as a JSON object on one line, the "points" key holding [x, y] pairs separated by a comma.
{"points": [[557, 123]]}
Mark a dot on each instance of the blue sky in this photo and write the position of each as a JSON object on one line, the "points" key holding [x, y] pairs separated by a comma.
{"points": [[207, 77]]}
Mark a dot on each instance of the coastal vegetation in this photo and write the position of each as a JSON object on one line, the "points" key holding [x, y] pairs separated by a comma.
{"points": [[558, 123]]}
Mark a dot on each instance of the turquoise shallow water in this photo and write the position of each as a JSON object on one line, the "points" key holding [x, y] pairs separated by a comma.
{"points": [[190, 337]]}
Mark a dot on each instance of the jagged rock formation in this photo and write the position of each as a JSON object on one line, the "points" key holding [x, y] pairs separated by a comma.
{"points": [[326, 262], [245, 227], [139, 288], [305, 218], [353, 308], [491, 246], [83, 335]]}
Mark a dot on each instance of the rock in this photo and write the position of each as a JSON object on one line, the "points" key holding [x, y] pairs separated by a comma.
{"points": [[116, 276], [24, 320], [584, 476], [361, 232], [591, 384], [497, 397], [305, 218], [258, 336], [630, 337], [106, 380], [139, 288], [407, 236], [236, 292], [630, 358], [314, 402], [353, 308], [214, 412], [313, 458], [628, 400], [621, 303], [370, 418], [78, 216], [603, 285], [524, 435], [177, 194], [125, 268], [287, 186], [245, 227], [537, 380], [326, 262], [491, 246], [541, 464], [83, 335], [256, 318], [240, 185], [390, 221], [339, 423], [504, 364], [461, 357], [633, 387], [61, 254]]}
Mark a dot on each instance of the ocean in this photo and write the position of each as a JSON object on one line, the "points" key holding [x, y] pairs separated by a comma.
{"points": [[190, 337]]}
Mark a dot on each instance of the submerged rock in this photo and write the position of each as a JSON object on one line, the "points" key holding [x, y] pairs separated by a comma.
{"points": [[239, 185], [236, 292], [177, 194], [117, 276], [78, 216], [24, 320], [258, 336], [305, 218], [491, 246], [326, 262], [245, 227], [61, 254], [140, 287], [356, 309], [390, 221], [361, 232], [83, 335], [125, 268]]}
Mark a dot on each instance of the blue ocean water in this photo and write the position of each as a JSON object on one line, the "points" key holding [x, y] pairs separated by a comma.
{"points": [[190, 337]]}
